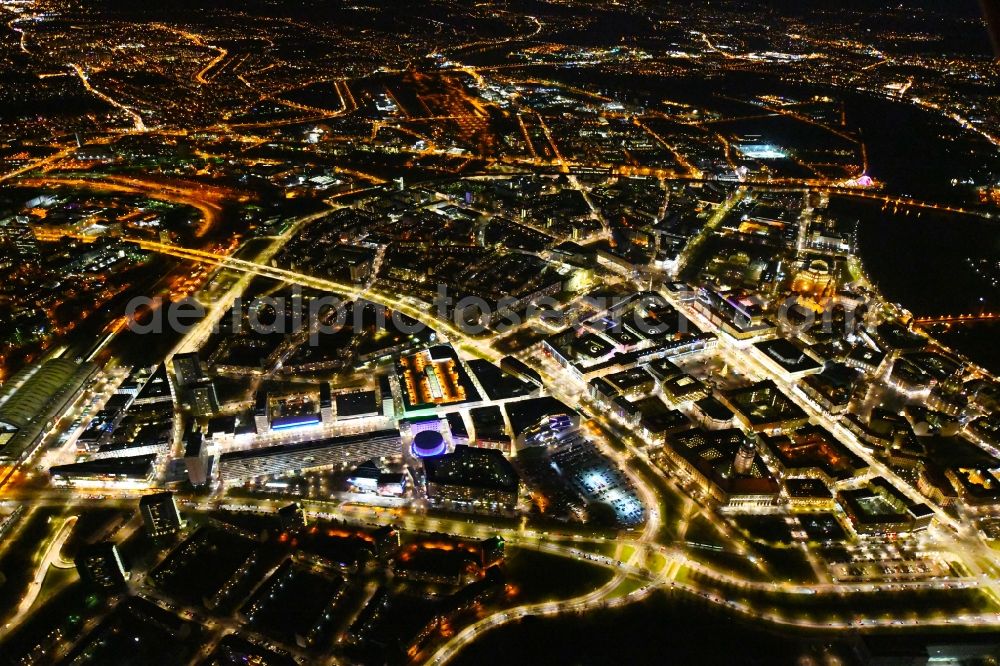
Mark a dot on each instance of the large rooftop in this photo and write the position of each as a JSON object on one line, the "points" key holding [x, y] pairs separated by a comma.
{"points": [[34, 397], [472, 467], [763, 405]]}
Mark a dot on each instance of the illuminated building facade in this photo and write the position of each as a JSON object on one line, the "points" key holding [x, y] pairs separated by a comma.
{"points": [[160, 514], [100, 566], [472, 476]]}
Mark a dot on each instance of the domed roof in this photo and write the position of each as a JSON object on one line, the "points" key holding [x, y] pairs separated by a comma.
{"points": [[428, 443]]}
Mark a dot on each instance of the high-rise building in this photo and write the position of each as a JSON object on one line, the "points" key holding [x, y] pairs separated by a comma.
{"points": [[196, 459], [187, 369], [385, 391], [204, 400], [261, 415], [160, 514], [325, 403], [99, 565]]}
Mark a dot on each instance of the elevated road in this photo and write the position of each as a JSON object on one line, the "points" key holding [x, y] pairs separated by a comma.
{"points": [[981, 318]]}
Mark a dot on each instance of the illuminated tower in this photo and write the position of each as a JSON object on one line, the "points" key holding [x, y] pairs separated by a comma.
{"points": [[261, 415], [325, 403], [744, 457]]}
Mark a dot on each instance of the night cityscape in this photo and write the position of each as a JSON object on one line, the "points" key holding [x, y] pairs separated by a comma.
{"points": [[524, 331]]}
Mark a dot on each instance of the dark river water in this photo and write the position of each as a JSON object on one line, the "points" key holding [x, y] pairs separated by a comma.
{"points": [[927, 265]]}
